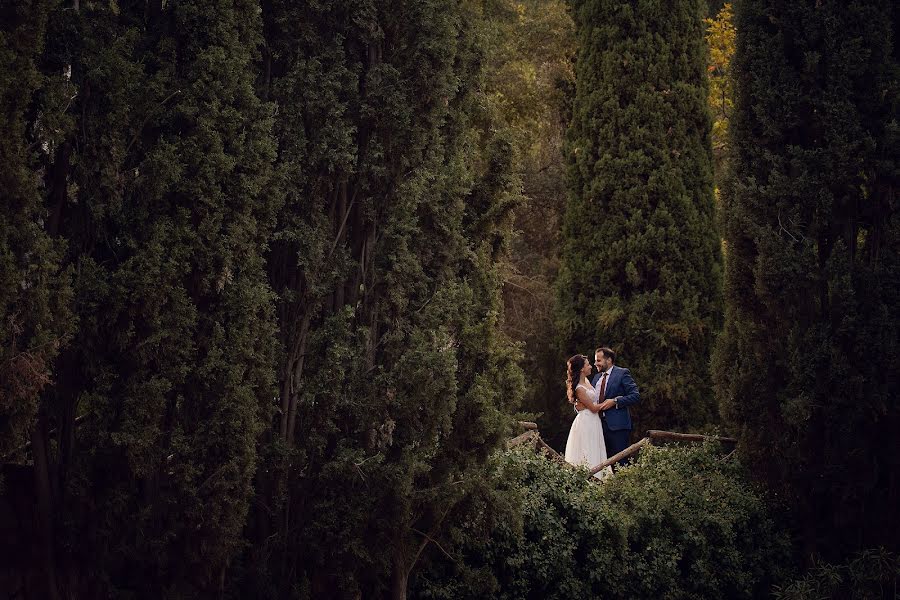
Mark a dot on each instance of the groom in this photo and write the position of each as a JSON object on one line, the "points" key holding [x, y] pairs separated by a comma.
{"points": [[618, 391]]}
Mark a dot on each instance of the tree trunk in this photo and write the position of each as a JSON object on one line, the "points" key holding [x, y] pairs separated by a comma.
{"points": [[399, 578], [44, 505], [57, 182], [295, 378]]}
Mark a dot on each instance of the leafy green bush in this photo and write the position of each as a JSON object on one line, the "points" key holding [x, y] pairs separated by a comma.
{"points": [[871, 574], [680, 523]]}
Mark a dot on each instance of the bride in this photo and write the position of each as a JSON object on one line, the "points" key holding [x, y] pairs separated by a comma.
{"points": [[585, 445]]}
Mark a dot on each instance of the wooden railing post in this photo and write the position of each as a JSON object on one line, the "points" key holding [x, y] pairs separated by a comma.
{"points": [[629, 451]]}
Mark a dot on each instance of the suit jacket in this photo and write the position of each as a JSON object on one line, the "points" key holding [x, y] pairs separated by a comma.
{"points": [[619, 385]]}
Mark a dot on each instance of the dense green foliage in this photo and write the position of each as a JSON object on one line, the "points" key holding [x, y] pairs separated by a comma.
{"points": [[869, 574], [720, 35], [164, 211], [529, 79], [808, 361], [305, 202], [681, 523], [639, 268], [393, 373], [34, 297]]}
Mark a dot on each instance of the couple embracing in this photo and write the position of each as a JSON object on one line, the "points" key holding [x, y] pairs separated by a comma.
{"points": [[602, 426]]}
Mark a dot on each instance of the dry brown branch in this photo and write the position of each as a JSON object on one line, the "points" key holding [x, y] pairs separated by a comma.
{"points": [[433, 541], [727, 456]]}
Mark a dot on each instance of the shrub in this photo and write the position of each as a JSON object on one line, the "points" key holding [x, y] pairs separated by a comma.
{"points": [[680, 523]]}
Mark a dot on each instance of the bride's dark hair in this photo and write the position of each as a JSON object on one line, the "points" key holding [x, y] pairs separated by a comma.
{"points": [[573, 374]]}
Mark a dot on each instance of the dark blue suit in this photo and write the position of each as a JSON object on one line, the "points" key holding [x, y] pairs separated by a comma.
{"points": [[617, 421]]}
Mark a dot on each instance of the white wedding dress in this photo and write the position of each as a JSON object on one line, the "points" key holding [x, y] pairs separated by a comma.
{"points": [[586, 446]]}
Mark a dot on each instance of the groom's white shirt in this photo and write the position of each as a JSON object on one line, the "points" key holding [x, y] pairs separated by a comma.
{"points": [[600, 380]]}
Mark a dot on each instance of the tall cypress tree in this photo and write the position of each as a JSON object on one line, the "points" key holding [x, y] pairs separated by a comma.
{"points": [[35, 317], [35, 312], [640, 264], [166, 215], [807, 365], [393, 372]]}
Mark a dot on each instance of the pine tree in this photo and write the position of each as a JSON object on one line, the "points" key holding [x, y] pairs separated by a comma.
{"points": [[806, 366], [640, 264]]}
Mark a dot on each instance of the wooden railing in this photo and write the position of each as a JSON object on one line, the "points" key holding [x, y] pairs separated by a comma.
{"points": [[654, 436]]}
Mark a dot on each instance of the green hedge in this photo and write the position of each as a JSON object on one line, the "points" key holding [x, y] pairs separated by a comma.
{"points": [[681, 523]]}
